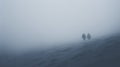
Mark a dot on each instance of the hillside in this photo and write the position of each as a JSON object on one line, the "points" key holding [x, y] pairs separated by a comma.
{"points": [[98, 53]]}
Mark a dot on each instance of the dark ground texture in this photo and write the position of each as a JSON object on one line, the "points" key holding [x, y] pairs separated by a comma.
{"points": [[96, 53]]}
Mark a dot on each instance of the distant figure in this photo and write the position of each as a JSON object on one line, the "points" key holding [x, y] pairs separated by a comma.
{"points": [[83, 36], [88, 36]]}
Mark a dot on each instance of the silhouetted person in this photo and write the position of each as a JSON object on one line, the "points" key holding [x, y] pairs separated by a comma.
{"points": [[88, 36], [83, 36]]}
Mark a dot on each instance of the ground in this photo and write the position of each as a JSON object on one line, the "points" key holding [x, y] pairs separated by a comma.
{"points": [[104, 52]]}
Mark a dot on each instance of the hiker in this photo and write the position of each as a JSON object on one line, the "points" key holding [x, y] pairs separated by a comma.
{"points": [[88, 36], [83, 36]]}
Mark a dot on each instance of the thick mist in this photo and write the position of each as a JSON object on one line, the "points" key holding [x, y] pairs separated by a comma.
{"points": [[33, 23]]}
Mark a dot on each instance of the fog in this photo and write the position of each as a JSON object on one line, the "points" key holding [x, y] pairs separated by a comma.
{"points": [[33, 23]]}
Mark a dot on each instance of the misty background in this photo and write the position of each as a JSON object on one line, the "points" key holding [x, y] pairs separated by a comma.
{"points": [[38, 23]]}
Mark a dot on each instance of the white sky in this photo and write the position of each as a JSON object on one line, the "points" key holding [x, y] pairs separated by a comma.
{"points": [[56, 21]]}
